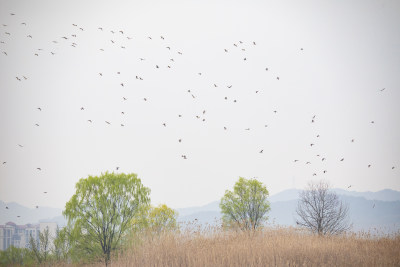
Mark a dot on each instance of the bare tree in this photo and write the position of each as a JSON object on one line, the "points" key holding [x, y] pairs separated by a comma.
{"points": [[321, 211]]}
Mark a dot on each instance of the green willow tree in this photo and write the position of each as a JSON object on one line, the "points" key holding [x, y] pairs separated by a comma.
{"points": [[246, 206], [101, 210]]}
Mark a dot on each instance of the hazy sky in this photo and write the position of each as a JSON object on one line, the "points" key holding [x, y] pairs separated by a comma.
{"points": [[351, 52]]}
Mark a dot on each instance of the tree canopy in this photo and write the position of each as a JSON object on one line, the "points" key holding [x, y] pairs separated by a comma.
{"points": [[101, 210], [246, 206], [155, 220], [321, 211]]}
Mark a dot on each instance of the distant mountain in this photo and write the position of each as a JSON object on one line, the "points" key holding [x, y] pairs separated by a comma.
{"points": [[213, 206], [368, 210], [27, 215], [384, 195]]}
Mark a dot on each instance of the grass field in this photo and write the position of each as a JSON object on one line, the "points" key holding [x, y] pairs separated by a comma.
{"points": [[270, 247]]}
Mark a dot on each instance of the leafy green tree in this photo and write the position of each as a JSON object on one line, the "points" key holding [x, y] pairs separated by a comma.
{"points": [[62, 244], [155, 220], [101, 210], [41, 250], [246, 206]]}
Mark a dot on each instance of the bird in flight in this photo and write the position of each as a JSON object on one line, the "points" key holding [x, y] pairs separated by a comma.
{"points": [[262, 150], [37, 207], [89, 121], [7, 208], [4, 162], [349, 186], [369, 165], [39, 169], [45, 192], [382, 89], [82, 108], [20, 145], [107, 122], [165, 125], [37, 124], [296, 160], [117, 168]]}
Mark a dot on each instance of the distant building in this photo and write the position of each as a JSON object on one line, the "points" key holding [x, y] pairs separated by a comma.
{"points": [[19, 235]]}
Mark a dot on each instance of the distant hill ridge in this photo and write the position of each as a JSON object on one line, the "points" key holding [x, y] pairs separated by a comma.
{"points": [[367, 209]]}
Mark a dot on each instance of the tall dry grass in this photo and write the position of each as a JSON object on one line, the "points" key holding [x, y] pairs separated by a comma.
{"points": [[270, 247]]}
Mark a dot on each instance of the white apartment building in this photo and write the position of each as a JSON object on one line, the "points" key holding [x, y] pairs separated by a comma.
{"points": [[19, 235]]}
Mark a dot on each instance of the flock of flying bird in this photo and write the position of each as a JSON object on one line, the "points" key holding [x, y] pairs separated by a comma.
{"points": [[72, 40]]}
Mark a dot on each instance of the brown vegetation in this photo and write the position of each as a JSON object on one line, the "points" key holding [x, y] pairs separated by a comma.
{"points": [[270, 247], [273, 247]]}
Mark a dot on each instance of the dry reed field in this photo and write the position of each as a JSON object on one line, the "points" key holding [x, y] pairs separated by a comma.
{"points": [[272, 247]]}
